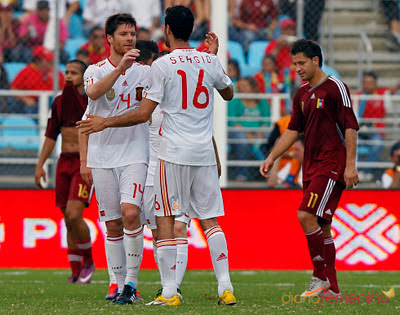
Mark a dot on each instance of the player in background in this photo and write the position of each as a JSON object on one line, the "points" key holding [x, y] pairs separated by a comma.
{"points": [[182, 82], [322, 110], [72, 193], [118, 157]]}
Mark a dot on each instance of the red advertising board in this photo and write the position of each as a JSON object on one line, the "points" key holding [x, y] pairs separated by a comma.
{"points": [[261, 228]]}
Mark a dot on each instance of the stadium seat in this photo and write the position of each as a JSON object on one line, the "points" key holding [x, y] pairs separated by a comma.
{"points": [[20, 133], [257, 52], [248, 70], [330, 70], [13, 68], [72, 45], [236, 52], [75, 26], [194, 43]]}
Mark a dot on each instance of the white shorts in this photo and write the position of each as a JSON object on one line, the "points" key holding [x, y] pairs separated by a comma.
{"points": [[148, 209], [180, 189], [118, 185]]}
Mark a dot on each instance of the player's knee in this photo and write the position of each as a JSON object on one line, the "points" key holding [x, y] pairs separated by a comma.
{"points": [[305, 218], [73, 216], [114, 227], [180, 229]]}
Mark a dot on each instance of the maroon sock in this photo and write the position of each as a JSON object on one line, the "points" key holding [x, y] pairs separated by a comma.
{"points": [[85, 248], [316, 248], [330, 257], [75, 261]]}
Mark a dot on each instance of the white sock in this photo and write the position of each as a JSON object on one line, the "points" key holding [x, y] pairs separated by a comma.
{"points": [[156, 258], [166, 254], [219, 257], [116, 258], [133, 244], [111, 274], [181, 259]]}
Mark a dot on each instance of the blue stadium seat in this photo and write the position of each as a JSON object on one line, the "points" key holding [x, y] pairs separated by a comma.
{"points": [[237, 52], [194, 43], [330, 70], [13, 68], [256, 53], [72, 45], [20, 133], [75, 28], [248, 70]]}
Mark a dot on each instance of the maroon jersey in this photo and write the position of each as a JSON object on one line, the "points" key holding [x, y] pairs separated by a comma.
{"points": [[67, 109], [323, 113]]}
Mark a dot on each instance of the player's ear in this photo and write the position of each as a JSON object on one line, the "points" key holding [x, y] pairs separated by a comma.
{"points": [[315, 60]]}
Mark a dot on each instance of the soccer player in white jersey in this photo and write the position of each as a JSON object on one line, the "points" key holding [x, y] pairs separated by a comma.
{"points": [[182, 82], [119, 157]]}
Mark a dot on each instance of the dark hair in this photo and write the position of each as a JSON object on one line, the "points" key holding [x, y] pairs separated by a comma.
{"points": [[180, 20], [370, 74], [270, 57], [118, 19], [82, 51], [309, 48], [234, 63], [161, 53], [94, 29], [252, 82], [147, 48], [300, 138], [394, 148], [80, 63]]}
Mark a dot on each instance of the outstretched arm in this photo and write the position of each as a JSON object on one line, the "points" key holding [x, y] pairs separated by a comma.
{"points": [[284, 143]]}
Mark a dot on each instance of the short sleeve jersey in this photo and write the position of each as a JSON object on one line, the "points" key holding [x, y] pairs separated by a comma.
{"points": [[66, 110], [182, 82], [155, 139], [115, 147], [323, 113]]}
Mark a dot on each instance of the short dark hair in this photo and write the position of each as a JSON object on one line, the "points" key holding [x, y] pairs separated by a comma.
{"points": [[147, 48], [180, 20], [80, 63], [118, 19], [234, 63], [253, 83], [309, 48], [94, 29], [370, 74], [270, 57], [82, 51]]}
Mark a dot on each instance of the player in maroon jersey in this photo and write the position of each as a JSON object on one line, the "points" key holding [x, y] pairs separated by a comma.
{"points": [[72, 193], [322, 110]]}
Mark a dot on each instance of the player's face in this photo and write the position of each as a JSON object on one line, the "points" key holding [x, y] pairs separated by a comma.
{"points": [[73, 73], [123, 40], [305, 67]]}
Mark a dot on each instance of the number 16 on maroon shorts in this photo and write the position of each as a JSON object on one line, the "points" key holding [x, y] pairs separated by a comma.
{"points": [[321, 196]]}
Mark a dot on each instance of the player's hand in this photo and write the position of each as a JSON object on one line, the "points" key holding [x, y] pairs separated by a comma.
{"points": [[86, 174], [91, 124], [212, 41], [351, 176], [128, 59], [266, 167], [39, 173]]}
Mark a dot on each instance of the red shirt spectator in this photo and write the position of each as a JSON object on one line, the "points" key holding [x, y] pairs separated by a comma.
{"points": [[97, 46], [258, 12]]}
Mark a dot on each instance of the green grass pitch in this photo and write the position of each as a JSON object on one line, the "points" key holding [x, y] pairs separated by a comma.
{"points": [[34, 291]]}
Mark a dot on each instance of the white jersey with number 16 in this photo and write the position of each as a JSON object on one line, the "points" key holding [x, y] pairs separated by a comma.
{"points": [[183, 83]]}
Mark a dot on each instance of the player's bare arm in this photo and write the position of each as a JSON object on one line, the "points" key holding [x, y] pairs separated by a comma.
{"points": [[284, 143], [86, 172], [100, 88], [40, 173], [227, 93], [217, 156], [139, 116], [350, 172]]}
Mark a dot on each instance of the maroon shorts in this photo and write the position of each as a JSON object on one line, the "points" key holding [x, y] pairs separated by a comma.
{"points": [[69, 183], [321, 196]]}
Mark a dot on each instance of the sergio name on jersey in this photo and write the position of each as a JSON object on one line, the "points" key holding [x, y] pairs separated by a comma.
{"points": [[115, 147], [183, 83]]}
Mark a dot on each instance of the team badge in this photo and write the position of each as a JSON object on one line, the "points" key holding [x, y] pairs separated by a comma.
{"points": [[110, 94], [320, 103]]}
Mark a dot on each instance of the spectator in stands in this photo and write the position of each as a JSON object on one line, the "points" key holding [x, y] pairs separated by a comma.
{"points": [[247, 113], [63, 12], [32, 32], [96, 12], [391, 177], [268, 78], [234, 72], [373, 110], [6, 25], [202, 19], [37, 75], [83, 55], [257, 20], [143, 34], [313, 10], [97, 46], [148, 15], [3, 85], [392, 15]]}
